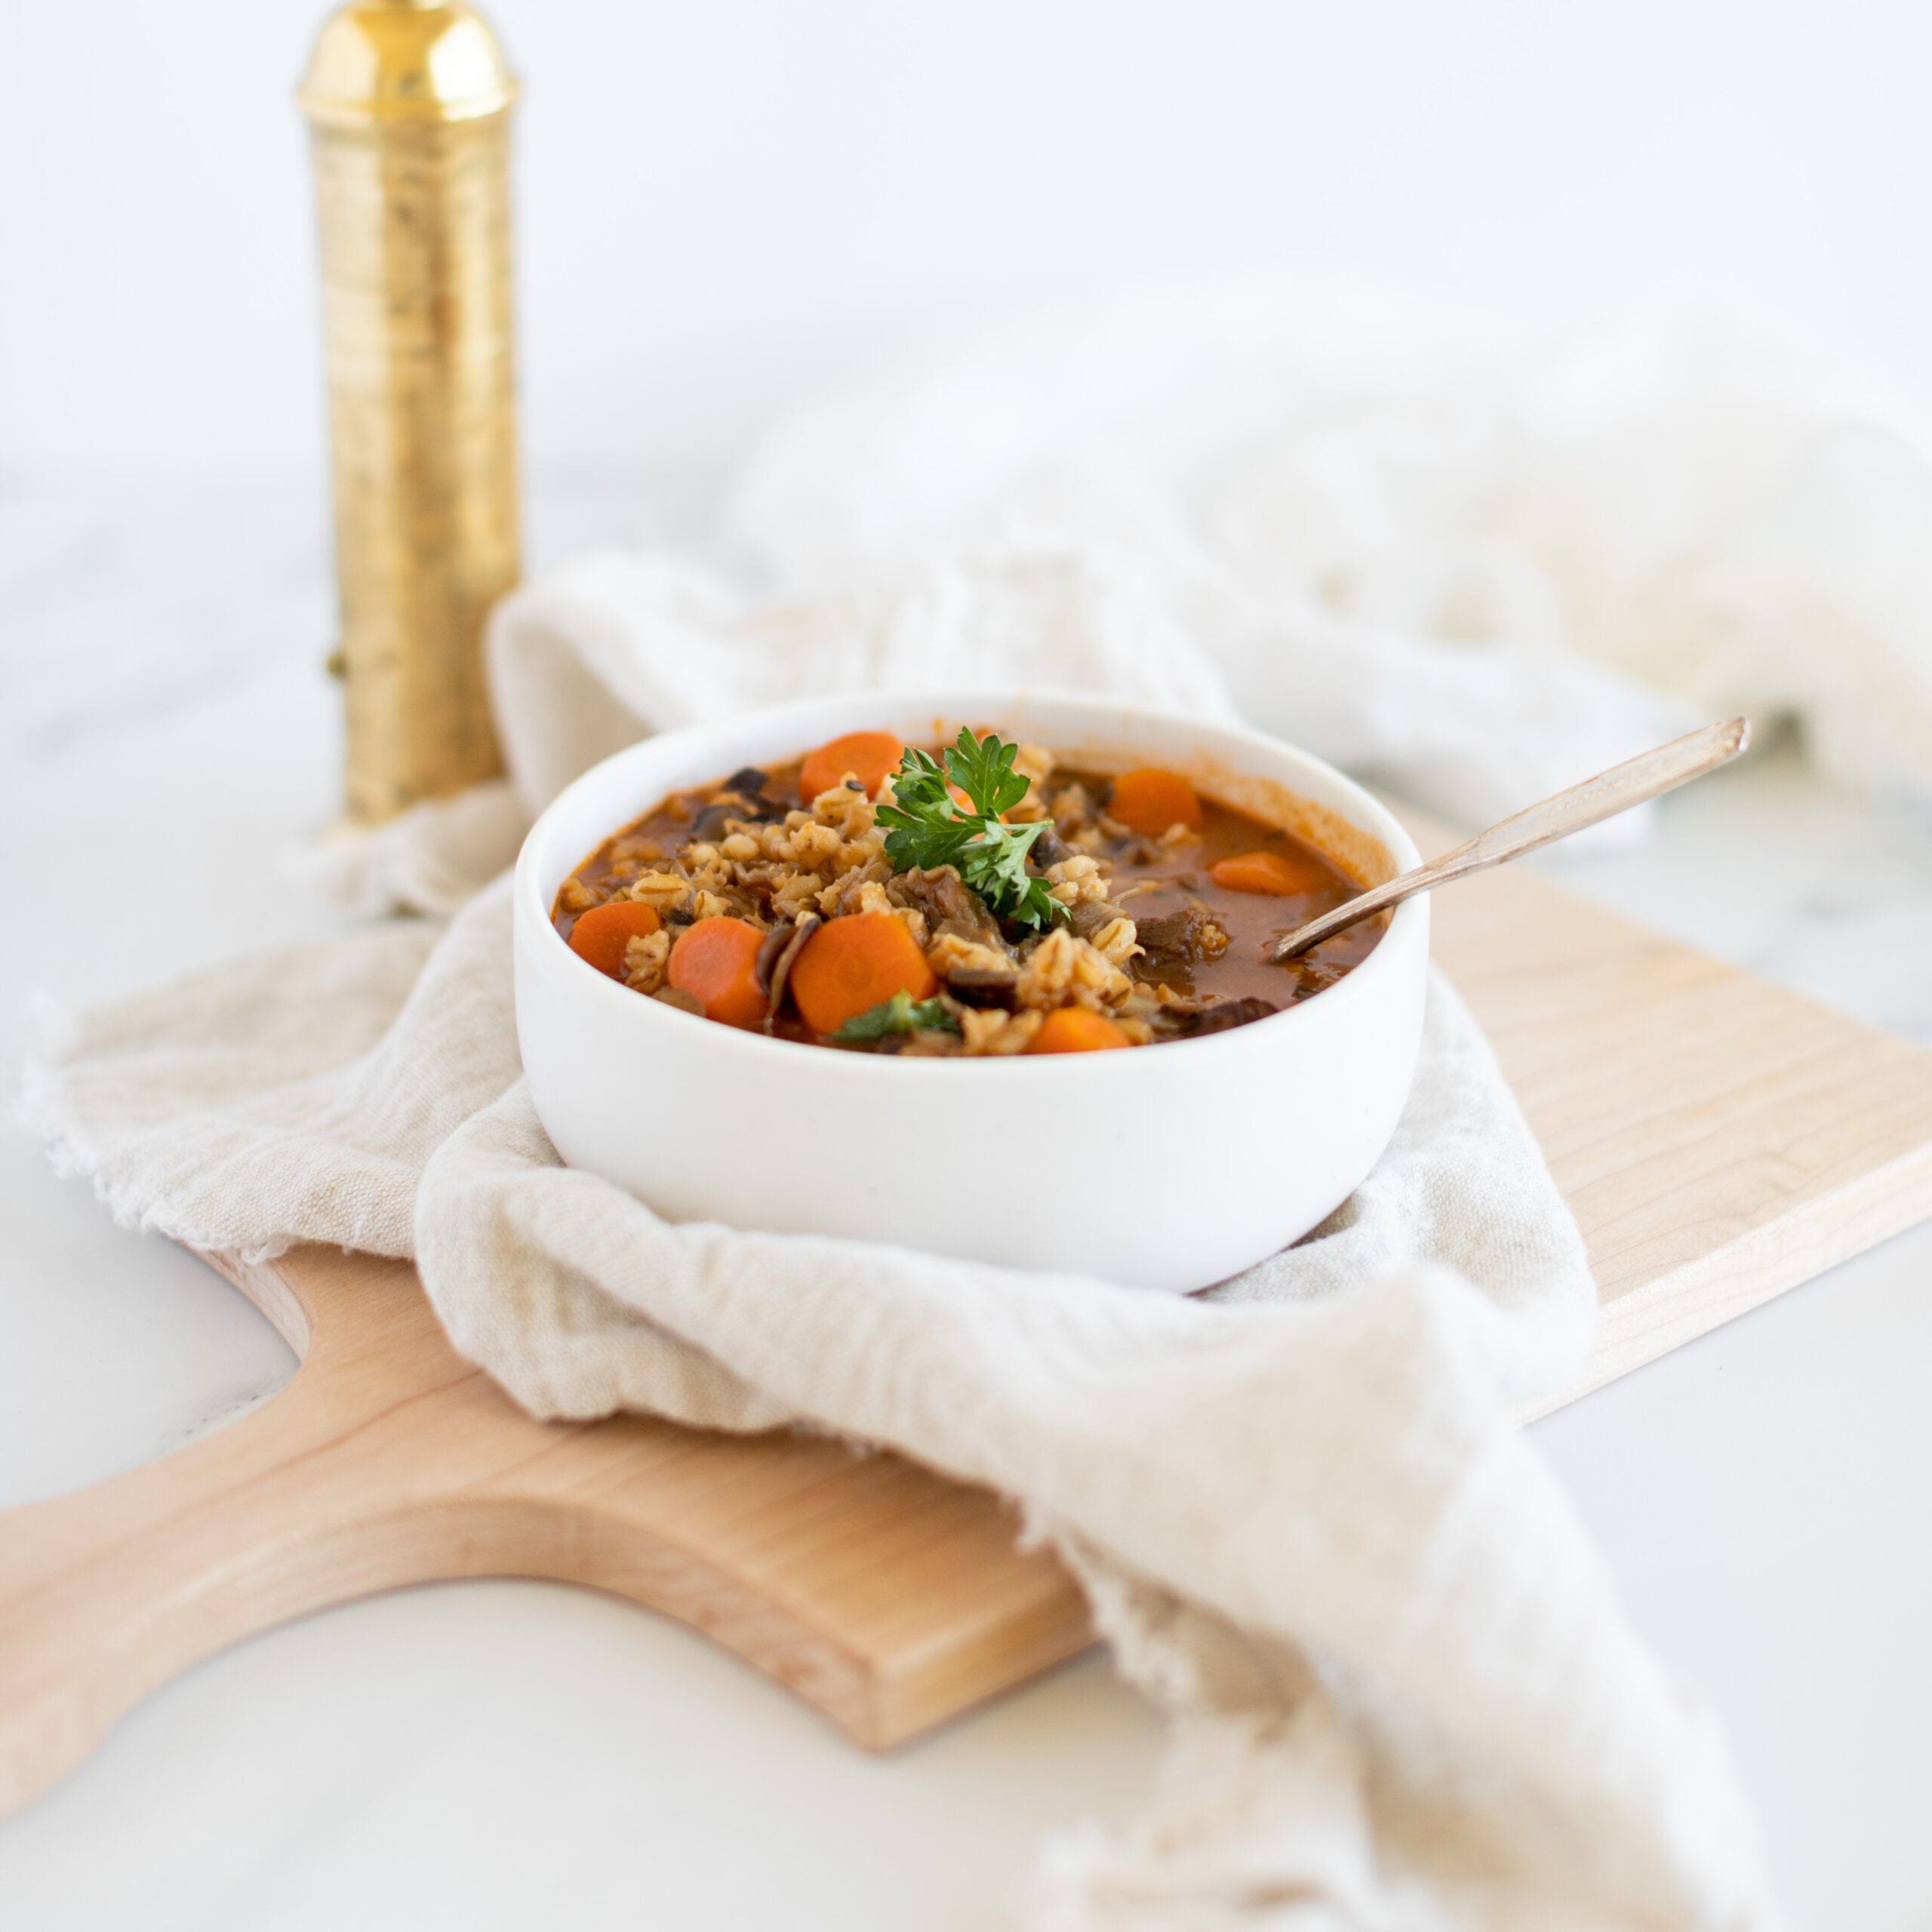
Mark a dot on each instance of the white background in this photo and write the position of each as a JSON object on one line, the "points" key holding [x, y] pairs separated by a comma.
{"points": [[723, 203]]}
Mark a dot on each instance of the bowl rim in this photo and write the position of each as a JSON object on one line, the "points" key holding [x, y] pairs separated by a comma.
{"points": [[1363, 982]]}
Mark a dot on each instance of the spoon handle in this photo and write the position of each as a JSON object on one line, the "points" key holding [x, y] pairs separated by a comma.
{"points": [[1602, 797]]}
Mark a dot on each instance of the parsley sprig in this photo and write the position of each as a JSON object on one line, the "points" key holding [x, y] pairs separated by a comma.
{"points": [[901, 1014], [926, 828]]}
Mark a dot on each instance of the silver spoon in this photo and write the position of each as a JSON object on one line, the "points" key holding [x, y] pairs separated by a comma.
{"points": [[1602, 797]]}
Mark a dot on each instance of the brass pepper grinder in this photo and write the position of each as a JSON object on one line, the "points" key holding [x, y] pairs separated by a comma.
{"points": [[408, 104]]}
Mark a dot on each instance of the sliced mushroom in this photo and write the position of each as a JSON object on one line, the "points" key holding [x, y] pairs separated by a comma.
{"points": [[1050, 848], [775, 942], [748, 782], [740, 797], [984, 985], [709, 826], [775, 957]]}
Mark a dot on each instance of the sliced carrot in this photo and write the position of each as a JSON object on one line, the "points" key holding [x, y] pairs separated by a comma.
{"points": [[1075, 1030], [849, 965], [602, 934], [1150, 800], [868, 755], [1272, 873], [716, 961]]}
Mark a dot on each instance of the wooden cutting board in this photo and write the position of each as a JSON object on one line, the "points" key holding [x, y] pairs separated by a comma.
{"points": [[1720, 1140]]}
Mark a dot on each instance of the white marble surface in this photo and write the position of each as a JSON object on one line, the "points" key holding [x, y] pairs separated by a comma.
{"points": [[508, 1754]]}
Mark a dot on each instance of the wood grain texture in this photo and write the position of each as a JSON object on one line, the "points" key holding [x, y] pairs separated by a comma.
{"points": [[1719, 1138], [888, 1597]]}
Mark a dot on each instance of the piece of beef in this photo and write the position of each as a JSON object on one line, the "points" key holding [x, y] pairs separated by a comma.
{"points": [[941, 895], [1089, 915], [951, 906], [1217, 1016], [1175, 939]]}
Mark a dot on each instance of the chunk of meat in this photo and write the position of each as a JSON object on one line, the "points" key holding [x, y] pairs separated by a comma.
{"points": [[950, 904], [1089, 916], [1180, 938], [1217, 1016], [941, 893]]}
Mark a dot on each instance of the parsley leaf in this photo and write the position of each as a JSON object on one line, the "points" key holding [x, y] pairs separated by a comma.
{"points": [[982, 769], [901, 1014], [927, 829]]}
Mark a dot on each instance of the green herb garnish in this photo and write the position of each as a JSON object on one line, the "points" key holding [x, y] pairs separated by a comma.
{"points": [[927, 828], [901, 1014]]}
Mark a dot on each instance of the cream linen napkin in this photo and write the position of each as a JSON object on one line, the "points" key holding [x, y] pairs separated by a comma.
{"points": [[1482, 567]]}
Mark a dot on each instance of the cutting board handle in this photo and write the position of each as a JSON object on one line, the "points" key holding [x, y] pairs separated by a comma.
{"points": [[888, 1596], [107, 1592]]}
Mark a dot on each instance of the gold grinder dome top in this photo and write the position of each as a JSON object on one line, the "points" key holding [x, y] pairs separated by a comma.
{"points": [[405, 60]]}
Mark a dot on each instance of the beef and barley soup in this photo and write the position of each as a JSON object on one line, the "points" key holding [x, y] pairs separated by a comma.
{"points": [[982, 899]]}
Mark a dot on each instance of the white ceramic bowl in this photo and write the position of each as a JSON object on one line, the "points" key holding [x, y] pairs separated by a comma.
{"points": [[1169, 1166]]}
